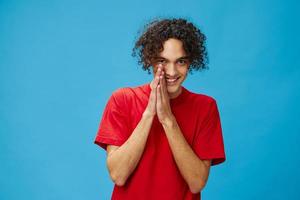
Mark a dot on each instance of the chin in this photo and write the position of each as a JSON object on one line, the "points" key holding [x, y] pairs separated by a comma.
{"points": [[173, 89]]}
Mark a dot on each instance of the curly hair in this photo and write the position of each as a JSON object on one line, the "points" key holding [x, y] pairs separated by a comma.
{"points": [[156, 32]]}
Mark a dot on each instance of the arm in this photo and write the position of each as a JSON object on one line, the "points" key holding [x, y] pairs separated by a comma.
{"points": [[194, 170], [122, 161]]}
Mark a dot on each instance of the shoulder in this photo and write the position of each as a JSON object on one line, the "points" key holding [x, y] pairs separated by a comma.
{"points": [[205, 104], [118, 93], [202, 99], [130, 92], [117, 97], [124, 94]]}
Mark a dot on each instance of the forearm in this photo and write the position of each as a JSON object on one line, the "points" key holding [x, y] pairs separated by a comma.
{"points": [[124, 160], [191, 167]]}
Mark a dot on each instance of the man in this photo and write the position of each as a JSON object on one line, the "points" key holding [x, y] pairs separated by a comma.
{"points": [[161, 139]]}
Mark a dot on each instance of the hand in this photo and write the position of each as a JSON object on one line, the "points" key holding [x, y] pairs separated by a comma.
{"points": [[163, 107], [151, 107]]}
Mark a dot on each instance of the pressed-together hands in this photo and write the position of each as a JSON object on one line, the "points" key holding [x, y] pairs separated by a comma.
{"points": [[159, 102]]}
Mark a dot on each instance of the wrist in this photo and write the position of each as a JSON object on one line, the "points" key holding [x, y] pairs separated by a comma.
{"points": [[169, 122], [148, 115]]}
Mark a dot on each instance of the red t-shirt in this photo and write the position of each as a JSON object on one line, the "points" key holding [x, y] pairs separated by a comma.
{"points": [[157, 175]]}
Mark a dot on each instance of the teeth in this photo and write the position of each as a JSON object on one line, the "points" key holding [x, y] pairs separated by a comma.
{"points": [[171, 80]]}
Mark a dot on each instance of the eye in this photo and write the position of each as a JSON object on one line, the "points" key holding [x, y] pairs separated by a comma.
{"points": [[161, 61], [182, 62]]}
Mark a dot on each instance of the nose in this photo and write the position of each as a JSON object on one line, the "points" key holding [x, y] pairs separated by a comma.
{"points": [[171, 70]]}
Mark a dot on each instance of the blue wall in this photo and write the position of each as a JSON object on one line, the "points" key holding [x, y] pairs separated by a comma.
{"points": [[60, 61]]}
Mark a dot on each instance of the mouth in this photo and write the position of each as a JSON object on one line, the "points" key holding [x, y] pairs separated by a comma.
{"points": [[172, 81]]}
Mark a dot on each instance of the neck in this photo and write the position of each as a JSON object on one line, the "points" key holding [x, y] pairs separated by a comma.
{"points": [[176, 94]]}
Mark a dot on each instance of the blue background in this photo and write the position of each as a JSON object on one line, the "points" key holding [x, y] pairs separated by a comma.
{"points": [[61, 60]]}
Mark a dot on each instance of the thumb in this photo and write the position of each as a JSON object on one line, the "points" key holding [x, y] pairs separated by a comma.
{"points": [[151, 85]]}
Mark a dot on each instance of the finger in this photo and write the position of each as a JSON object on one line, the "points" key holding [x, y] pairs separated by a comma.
{"points": [[155, 84], [164, 86], [164, 91], [159, 69], [159, 66], [158, 96], [156, 79], [161, 87], [152, 98], [152, 83]]}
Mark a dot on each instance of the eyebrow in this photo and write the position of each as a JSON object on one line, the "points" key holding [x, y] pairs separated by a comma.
{"points": [[181, 58]]}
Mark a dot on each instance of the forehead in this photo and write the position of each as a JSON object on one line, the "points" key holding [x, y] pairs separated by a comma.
{"points": [[173, 49]]}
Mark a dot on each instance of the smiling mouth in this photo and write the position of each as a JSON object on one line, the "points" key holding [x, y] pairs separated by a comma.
{"points": [[172, 81]]}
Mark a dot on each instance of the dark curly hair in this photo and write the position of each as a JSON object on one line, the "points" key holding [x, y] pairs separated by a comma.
{"points": [[156, 32]]}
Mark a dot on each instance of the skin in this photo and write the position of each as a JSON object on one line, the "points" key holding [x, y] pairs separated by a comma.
{"points": [[171, 62], [122, 160], [175, 63]]}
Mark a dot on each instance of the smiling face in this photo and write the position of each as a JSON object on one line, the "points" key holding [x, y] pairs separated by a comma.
{"points": [[175, 64]]}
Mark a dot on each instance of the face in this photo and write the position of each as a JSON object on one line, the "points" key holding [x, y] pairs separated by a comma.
{"points": [[175, 64]]}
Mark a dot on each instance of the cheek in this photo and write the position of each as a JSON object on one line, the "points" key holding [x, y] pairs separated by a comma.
{"points": [[184, 71]]}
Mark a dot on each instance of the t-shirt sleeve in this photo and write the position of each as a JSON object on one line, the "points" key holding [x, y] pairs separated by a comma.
{"points": [[209, 140], [113, 127]]}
